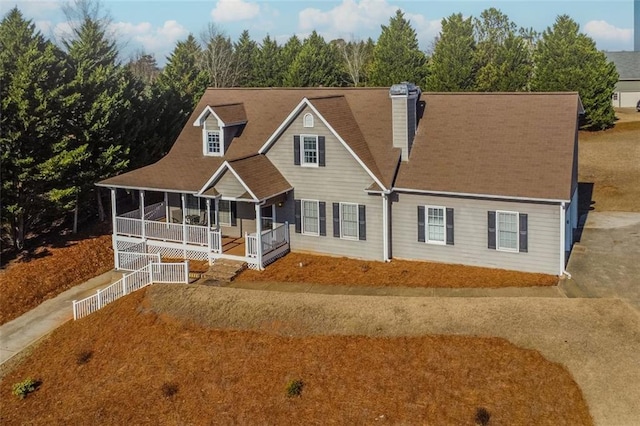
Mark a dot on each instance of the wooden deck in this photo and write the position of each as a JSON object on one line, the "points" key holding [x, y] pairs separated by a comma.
{"points": [[233, 246]]}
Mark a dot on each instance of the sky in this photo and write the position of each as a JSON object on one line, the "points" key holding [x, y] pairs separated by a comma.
{"points": [[154, 26]]}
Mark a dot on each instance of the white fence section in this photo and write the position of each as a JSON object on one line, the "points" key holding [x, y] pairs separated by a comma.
{"points": [[128, 226], [132, 261], [153, 272], [216, 241], [163, 231], [251, 245]]}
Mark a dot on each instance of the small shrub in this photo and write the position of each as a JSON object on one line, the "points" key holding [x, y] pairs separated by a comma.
{"points": [[482, 416], [294, 388], [83, 357], [25, 387], [169, 389]]}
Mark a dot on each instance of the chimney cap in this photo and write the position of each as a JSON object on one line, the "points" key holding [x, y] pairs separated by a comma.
{"points": [[404, 89]]}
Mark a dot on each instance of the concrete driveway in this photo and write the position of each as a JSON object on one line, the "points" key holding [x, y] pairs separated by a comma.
{"points": [[606, 261]]}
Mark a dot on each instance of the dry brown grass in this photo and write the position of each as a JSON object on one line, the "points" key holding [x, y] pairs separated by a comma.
{"points": [[171, 371], [610, 159], [27, 282], [400, 273]]}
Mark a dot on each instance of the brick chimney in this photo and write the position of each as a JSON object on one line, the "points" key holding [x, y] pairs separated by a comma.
{"points": [[404, 101]]}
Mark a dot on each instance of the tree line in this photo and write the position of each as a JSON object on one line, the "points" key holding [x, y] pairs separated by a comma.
{"points": [[73, 113]]}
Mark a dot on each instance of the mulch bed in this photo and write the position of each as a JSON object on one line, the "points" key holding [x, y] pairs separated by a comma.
{"points": [[298, 267], [170, 371]]}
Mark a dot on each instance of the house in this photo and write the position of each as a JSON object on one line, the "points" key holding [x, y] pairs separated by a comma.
{"points": [[627, 91], [485, 179]]}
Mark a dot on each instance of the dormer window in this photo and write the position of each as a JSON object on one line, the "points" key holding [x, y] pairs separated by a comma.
{"points": [[307, 120], [213, 142]]}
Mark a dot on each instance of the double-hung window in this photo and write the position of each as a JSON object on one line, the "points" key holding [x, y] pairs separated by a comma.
{"points": [[224, 212], [436, 225], [349, 220], [507, 230], [309, 150], [310, 217], [213, 142]]}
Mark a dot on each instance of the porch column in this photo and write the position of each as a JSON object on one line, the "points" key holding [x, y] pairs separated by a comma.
{"points": [[142, 213], [167, 219], [114, 221], [259, 235], [209, 223], [273, 216], [216, 202], [184, 219]]}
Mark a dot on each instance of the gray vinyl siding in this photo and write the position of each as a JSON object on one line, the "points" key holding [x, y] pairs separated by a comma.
{"points": [[341, 180], [245, 221], [470, 229], [229, 186]]}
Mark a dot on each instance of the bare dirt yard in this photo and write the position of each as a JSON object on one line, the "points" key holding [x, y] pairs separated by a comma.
{"points": [[301, 267], [158, 357], [610, 161]]}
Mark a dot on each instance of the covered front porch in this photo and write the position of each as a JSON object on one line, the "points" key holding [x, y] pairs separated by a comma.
{"points": [[183, 225]]}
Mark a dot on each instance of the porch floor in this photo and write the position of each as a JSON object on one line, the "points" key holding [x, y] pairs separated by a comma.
{"points": [[233, 246]]}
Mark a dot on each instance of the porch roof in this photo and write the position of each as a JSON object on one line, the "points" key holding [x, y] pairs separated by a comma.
{"points": [[256, 173]]}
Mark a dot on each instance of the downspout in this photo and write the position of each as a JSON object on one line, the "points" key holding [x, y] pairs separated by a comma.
{"points": [[385, 226], [562, 237]]}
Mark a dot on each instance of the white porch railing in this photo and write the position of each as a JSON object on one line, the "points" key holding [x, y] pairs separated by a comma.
{"points": [[163, 231], [151, 212], [175, 232], [216, 241], [271, 240], [132, 261], [128, 226], [153, 272]]}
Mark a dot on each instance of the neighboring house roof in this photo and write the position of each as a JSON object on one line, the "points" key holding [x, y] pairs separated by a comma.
{"points": [[627, 64], [500, 144]]}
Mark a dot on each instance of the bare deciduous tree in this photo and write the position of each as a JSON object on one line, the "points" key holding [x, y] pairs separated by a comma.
{"points": [[356, 54], [218, 58]]}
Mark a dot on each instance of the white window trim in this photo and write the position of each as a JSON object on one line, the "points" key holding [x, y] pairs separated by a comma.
{"points": [[205, 141], [507, 249], [348, 237], [302, 162], [220, 216], [302, 217], [311, 120], [426, 225]]}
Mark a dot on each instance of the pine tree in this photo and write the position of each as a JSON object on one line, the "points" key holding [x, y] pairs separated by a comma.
{"points": [[397, 56], [246, 51], [451, 68], [289, 53], [567, 60], [317, 64], [35, 158], [268, 70], [502, 58]]}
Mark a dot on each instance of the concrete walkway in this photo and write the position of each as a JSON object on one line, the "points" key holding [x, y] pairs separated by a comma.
{"points": [[20, 333]]}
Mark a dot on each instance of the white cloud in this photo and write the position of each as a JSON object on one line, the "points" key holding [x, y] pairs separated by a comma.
{"points": [[350, 16], [234, 10], [35, 9], [158, 41], [602, 30]]}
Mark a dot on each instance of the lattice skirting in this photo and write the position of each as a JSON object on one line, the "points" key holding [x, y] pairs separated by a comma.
{"points": [[177, 253], [122, 245], [271, 257]]}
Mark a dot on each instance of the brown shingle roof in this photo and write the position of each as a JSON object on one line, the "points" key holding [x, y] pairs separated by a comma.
{"points": [[230, 114], [503, 144], [261, 176], [185, 168]]}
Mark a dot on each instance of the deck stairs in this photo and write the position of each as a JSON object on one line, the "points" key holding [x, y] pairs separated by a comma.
{"points": [[222, 272]]}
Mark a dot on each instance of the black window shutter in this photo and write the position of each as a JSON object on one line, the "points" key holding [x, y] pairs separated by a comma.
{"points": [[362, 218], [524, 239], [449, 226], [296, 150], [336, 220], [491, 227], [298, 216], [321, 155], [421, 224], [322, 207], [234, 212]]}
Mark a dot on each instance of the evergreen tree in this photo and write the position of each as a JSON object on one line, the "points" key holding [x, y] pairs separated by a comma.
{"points": [[289, 53], [144, 68], [268, 70], [567, 60], [396, 56], [104, 108], [35, 157], [502, 58], [246, 51], [451, 68], [317, 64]]}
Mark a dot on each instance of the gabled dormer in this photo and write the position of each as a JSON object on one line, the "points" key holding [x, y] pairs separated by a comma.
{"points": [[220, 123]]}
